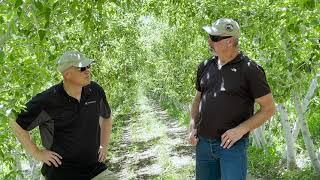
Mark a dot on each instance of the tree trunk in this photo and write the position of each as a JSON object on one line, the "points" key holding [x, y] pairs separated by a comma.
{"points": [[260, 132], [256, 140], [258, 137], [290, 148], [18, 165], [307, 136], [306, 101], [305, 104]]}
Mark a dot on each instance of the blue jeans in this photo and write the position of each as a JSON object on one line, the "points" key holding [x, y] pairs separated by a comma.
{"points": [[214, 162]]}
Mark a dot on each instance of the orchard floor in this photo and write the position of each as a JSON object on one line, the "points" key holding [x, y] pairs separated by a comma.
{"points": [[153, 146]]}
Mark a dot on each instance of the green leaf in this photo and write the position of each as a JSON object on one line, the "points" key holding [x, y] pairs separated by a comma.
{"points": [[1, 56], [1, 20], [24, 30], [309, 4], [55, 4], [52, 57], [18, 3], [38, 5], [47, 12], [47, 24], [293, 28], [19, 11], [42, 34]]}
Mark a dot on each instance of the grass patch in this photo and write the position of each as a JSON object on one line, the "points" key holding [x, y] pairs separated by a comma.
{"points": [[306, 173], [175, 112], [267, 165], [262, 163]]}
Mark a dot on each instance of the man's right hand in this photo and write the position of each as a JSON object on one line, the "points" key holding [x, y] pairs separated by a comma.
{"points": [[193, 140], [45, 156], [48, 157]]}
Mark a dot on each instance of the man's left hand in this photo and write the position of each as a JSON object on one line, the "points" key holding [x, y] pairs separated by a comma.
{"points": [[232, 136], [102, 153]]}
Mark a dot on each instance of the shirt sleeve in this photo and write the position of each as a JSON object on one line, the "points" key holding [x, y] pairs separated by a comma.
{"points": [[197, 80], [201, 68], [105, 110], [33, 114], [257, 81], [198, 77]]}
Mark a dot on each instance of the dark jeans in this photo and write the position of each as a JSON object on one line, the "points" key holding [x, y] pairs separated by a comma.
{"points": [[215, 162]]}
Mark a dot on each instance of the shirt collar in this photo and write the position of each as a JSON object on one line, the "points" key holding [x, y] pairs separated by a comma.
{"points": [[237, 59], [86, 90]]}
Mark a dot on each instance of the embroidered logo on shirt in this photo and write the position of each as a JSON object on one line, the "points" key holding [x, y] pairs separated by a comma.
{"points": [[90, 102], [234, 69]]}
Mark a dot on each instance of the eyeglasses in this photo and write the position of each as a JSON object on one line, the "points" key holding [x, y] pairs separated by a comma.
{"points": [[218, 38], [81, 69]]}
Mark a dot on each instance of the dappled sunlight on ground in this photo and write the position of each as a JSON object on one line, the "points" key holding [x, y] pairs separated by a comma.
{"points": [[153, 146]]}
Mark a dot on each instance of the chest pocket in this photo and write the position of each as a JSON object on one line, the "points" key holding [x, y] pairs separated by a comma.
{"points": [[90, 106]]}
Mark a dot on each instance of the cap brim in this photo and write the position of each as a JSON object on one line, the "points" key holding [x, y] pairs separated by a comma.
{"points": [[84, 63], [211, 30], [207, 29]]}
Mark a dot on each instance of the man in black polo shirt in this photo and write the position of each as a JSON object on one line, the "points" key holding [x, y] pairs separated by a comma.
{"points": [[222, 114], [74, 120]]}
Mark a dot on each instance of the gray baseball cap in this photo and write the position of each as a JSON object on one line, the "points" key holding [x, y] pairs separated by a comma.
{"points": [[223, 27], [72, 58]]}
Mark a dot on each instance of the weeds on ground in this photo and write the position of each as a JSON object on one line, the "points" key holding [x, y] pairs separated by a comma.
{"points": [[267, 165]]}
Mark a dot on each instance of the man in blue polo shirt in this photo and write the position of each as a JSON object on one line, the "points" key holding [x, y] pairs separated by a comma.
{"points": [[74, 120], [222, 115]]}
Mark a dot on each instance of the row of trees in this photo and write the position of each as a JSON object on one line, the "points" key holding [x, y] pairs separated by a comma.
{"points": [[34, 33], [283, 36], [158, 45]]}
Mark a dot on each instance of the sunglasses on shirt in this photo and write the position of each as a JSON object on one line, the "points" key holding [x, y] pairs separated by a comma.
{"points": [[218, 38], [81, 69]]}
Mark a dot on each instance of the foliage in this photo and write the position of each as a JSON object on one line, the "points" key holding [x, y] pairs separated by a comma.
{"points": [[33, 34], [264, 163], [282, 36], [305, 173], [153, 44]]}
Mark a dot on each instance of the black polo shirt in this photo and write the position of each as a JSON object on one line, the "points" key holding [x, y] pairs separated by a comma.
{"points": [[228, 94], [69, 127]]}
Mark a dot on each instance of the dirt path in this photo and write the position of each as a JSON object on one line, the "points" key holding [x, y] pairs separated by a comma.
{"points": [[153, 146]]}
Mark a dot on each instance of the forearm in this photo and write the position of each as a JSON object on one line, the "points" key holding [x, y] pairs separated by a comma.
{"points": [[24, 138], [194, 114], [106, 127], [257, 119]]}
